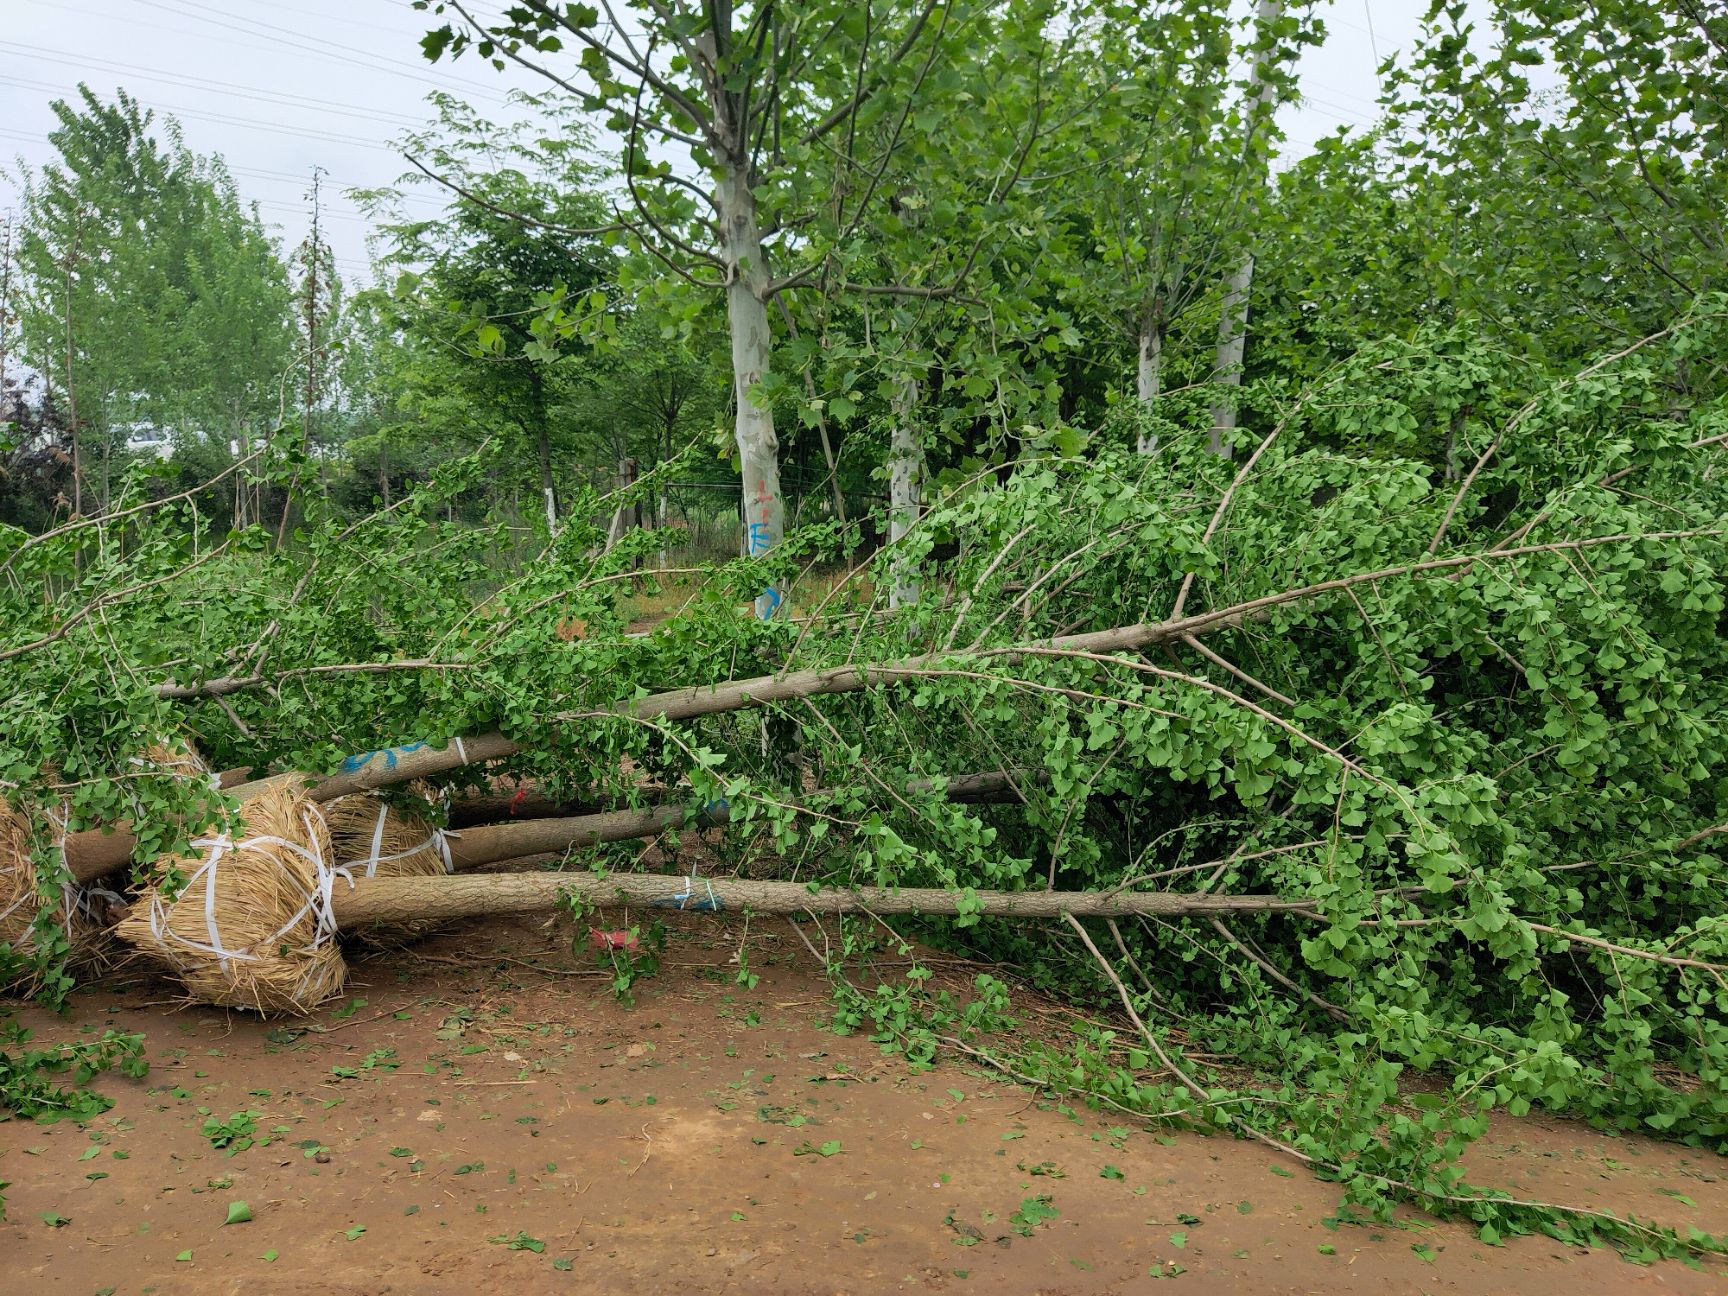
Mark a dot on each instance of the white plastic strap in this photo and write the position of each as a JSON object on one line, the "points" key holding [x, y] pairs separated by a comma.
{"points": [[438, 841], [210, 899], [461, 751], [377, 840], [317, 904]]}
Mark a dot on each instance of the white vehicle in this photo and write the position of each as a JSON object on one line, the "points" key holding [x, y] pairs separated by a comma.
{"points": [[144, 440]]}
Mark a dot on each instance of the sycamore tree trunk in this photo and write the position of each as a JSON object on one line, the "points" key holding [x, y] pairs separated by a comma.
{"points": [[905, 487], [1149, 378], [1233, 323], [764, 509]]}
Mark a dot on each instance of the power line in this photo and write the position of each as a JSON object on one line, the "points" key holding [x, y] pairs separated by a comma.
{"points": [[329, 212], [252, 123], [311, 44], [201, 83]]}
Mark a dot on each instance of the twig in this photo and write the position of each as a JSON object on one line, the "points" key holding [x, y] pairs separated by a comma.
{"points": [[1271, 971], [1164, 1058], [1237, 671], [1627, 950]]}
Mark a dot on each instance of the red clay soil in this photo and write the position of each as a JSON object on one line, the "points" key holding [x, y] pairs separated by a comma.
{"points": [[481, 1113]]}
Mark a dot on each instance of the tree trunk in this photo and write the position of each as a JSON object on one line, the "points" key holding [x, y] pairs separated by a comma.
{"points": [[72, 408], [369, 770], [1232, 343], [378, 900], [905, 488], [1149, 378], [1233, 323], [764, 509], [94, 853], [624, 516], [543, 447]]}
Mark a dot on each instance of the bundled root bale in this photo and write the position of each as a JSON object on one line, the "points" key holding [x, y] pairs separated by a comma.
{"points": [[249, 925], [81, 912], [372, 839]]}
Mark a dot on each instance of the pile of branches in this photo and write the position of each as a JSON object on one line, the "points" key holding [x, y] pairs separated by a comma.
{"points": [[1392, 743]]}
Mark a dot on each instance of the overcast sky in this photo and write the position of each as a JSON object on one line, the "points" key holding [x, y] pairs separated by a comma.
{"points": [[280, 86]]}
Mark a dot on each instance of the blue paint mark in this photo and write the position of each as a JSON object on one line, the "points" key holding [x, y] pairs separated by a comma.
{"points": [[759, 539], [769, 600], [359, 761]]}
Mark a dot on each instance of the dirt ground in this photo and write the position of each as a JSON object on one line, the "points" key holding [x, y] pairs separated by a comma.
{"points": [[481, 1113]]}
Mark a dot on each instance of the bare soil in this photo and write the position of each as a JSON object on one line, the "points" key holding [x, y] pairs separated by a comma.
{"points": [[481, 1113]]}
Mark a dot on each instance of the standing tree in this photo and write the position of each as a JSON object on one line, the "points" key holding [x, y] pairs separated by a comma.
{"points": [[317, 317], [147, 280], [492, 279], [1623, 146], [789, 116], [1262, 95]]}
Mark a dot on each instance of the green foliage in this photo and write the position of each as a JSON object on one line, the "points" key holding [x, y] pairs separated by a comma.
{"points": [[234, 1134], [1491, 784], [151, 290], [29, 1090], [1452, 690]]}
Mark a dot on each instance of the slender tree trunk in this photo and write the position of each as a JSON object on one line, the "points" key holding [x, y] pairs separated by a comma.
{"points": [[821, 424], [1232, 343], [548, 491], [1149, 378], [624, 515], [663, 499], [378, 900], [5, 295], [72, 400], [543, 449], [764, 508], [1233, 323], [905, 487]]}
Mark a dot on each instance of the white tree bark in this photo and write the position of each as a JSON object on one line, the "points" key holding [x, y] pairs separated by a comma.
{"points": [[548, 491], [764, 508], [1233, 323], [905, 487], [1149, 378]]}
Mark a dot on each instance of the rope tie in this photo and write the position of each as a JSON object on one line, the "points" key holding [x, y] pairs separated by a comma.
{"points": [[317, 903], [438, 841]]}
